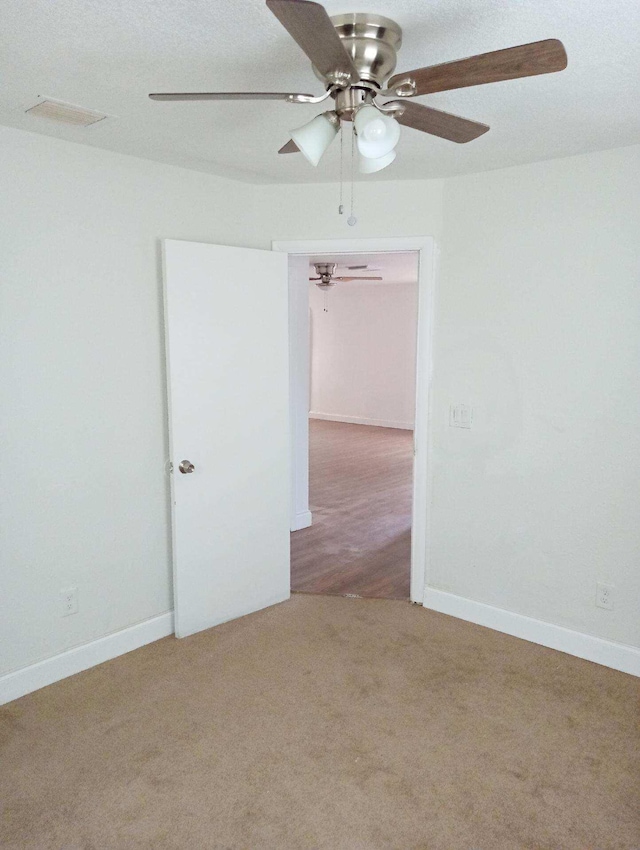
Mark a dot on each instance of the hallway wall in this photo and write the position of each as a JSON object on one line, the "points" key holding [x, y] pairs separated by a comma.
{"points": [[363, 353]]}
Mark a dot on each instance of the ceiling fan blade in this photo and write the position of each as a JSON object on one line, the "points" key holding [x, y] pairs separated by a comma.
{"points": [[310, 26], [527, 60], [290, 147], [226, 95], [438, 123], [356, 278]]}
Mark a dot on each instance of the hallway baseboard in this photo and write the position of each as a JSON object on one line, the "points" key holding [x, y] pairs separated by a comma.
{"points": [[359, 420], [301, 520]]}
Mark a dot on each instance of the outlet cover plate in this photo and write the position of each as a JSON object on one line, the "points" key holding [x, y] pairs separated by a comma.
{"points": [[604, 595], [68, 601]]}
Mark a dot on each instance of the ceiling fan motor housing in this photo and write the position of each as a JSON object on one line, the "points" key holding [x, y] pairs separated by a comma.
{"points": [[355, 57], [372, 42], [325, 272]]}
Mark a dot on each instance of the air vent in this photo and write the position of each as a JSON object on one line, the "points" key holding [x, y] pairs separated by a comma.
{"points": [[66, 113]]}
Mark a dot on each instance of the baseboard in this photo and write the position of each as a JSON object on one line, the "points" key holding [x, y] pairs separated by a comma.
{"points": [[618, 656], [359, 420], [36, 676], [301, 520]]}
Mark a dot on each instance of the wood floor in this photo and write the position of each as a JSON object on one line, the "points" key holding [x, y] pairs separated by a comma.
{"points": [[360, 494]]}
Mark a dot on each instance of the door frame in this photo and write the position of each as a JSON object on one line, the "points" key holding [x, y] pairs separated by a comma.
{"points": [[425, 246]]}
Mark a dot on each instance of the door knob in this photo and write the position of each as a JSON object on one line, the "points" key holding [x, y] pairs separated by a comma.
{"points": [[186, 466]]}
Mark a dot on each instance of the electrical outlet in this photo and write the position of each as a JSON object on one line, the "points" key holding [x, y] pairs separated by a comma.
{"points": [[69, 601], [604, 596]]}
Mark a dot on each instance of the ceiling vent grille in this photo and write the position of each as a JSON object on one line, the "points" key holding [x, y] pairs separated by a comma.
{"points": [[65, 113]]}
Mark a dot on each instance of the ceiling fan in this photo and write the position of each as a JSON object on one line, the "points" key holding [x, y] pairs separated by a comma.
{"points": [[326, 275], [355, 56]]}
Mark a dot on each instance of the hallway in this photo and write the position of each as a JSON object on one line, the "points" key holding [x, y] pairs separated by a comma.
{"points": [[360, 494]]}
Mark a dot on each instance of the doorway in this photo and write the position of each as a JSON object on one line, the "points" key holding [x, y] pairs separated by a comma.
{"points": [[363, 322], [341, 549]]}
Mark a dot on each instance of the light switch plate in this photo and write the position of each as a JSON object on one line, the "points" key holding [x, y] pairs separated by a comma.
{"points": [[460, 416]]}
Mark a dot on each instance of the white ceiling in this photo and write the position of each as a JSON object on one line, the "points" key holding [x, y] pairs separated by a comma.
{"points": [[391, 266], [108, 55]]}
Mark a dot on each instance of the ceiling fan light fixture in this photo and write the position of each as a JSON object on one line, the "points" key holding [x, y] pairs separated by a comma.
{"points": [[314, 138], [367, 165], [378, 134]]}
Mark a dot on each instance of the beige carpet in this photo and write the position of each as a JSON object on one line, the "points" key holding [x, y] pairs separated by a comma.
{"points": [[327, 723]]}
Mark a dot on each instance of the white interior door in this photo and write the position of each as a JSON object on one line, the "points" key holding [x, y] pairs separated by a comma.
{"points": [[227, 357]]}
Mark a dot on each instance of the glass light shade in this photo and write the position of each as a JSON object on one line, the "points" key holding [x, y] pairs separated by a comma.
{"points": [[315, 137], [369, 166], [378, 134]]}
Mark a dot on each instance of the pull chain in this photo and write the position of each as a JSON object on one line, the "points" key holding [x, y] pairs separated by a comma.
{"points": [[341, 206], [352, 220], [326, 301]]}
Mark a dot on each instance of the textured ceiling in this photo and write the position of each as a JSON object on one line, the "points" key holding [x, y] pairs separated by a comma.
{"points": [[108, 55]]}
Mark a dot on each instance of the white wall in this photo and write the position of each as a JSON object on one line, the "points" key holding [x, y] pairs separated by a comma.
{"points": [[310, 211], [537, 323], [363, 353], [84, 498], [538, 327]]}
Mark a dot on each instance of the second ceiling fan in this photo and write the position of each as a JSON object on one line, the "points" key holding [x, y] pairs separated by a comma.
{"points": [[326, 276], [355, 56]]}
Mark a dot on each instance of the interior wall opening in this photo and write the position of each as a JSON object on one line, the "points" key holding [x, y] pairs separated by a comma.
{"points": [[361, 391]]}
